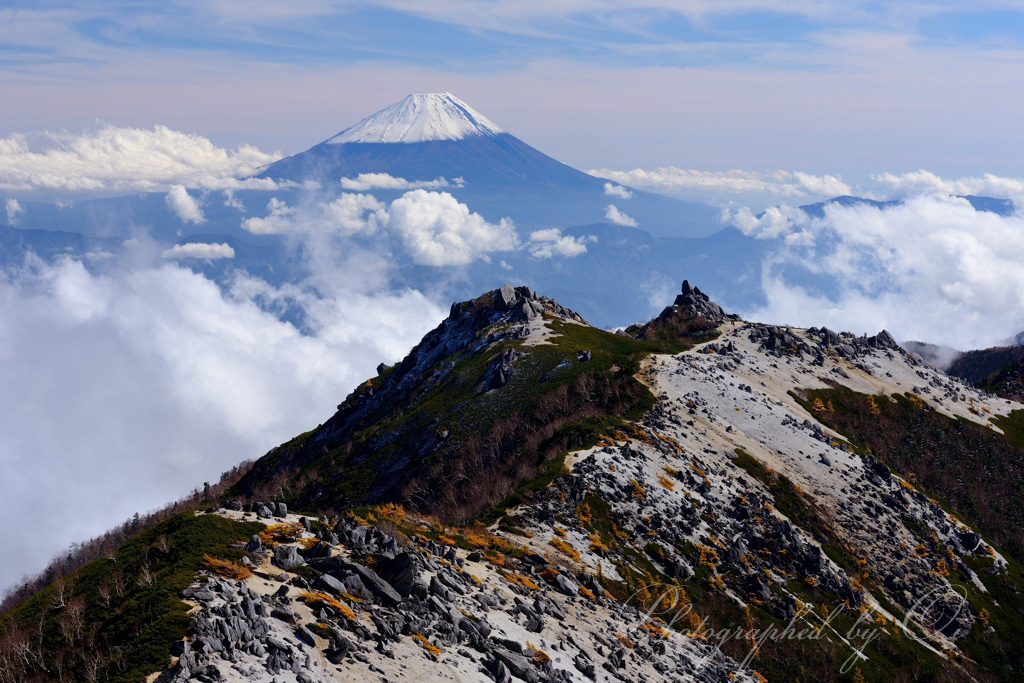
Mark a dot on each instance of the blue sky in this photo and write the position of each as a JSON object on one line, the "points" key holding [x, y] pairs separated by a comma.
{"points": [[823, 86]]}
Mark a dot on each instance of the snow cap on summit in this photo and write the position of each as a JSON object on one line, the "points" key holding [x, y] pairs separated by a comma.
{"points": [[420, 117]]}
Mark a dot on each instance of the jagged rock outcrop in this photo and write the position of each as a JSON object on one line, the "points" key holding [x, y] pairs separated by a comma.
{"points": [[693, 314], [730, 484], [699, 304], [817, 343]]}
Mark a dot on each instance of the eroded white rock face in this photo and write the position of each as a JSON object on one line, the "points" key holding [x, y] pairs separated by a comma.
{"points": [[676, 482], [554, 629], [420, 117]]}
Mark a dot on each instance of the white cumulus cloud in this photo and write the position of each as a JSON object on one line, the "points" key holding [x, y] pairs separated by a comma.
{"points": [[438, 230], [366, 182], [551, 242], [280, 220], [613, 214], [774, 221], [617, 191], [115, 159], [13, 208], [202, 250], [930, 268], [434, 228], [346, 215], [183, 205]]}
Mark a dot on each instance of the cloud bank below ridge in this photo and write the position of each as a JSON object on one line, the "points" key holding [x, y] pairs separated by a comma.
{"points": [[157, 378], [930, 268]]}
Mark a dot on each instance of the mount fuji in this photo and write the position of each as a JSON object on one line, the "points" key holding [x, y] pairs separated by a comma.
{"points": [[431, 135]]}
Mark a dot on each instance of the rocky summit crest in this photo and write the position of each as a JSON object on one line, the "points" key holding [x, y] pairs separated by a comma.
{"points": [[485, 370]]}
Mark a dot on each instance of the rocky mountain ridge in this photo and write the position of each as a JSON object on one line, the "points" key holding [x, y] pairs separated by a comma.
{"points": [[527, 498]]}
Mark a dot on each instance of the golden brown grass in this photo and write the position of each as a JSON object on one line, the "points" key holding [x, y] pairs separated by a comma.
{"points": [[520, 580], [638, 490], [539, 656]]}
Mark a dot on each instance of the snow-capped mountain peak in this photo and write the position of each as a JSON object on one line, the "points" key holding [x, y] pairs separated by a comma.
{"points": [[420, 117]]}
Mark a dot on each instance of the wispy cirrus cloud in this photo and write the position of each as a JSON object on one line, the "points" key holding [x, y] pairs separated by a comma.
{"points": [[865, 85], [673, 180], [366, 182]]}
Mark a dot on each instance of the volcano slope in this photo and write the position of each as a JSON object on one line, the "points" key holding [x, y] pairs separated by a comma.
{"points": [[525, 497]]}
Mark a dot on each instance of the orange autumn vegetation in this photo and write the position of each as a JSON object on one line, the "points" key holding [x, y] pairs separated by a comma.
{"points": [[314, 598], [520, 580], [565, 548], [422, 640], [280, 533], [229, 570]]}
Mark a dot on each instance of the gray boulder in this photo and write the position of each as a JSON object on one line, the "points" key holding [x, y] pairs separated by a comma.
{"points": [[287, 557], [378, 586], [566, 585], [399, 572], [520, 666], [330, 584], [504, 297], [305, 635], [254, 544]]}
